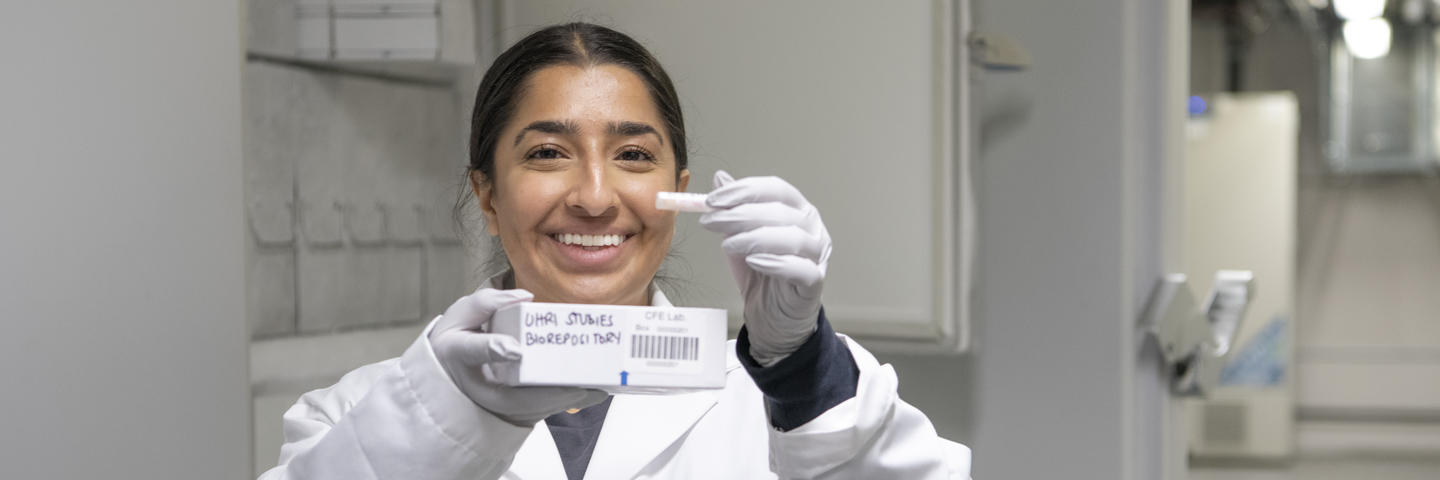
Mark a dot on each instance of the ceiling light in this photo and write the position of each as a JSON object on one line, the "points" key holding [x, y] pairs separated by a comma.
{"points": [[1367, 38], [1359, 9]]}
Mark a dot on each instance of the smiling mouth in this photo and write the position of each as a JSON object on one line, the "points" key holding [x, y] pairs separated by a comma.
{"points": [[591, 242]]}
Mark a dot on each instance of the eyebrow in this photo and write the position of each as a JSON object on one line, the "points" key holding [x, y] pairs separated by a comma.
{"points": [[572, 128], [567, 128], [635, 129]]}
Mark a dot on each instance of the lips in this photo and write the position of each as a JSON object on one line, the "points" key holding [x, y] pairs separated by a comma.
{"points": [[589, 251]]}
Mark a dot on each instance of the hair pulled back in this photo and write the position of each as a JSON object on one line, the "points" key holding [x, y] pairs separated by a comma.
{"points": [[578, 44]]}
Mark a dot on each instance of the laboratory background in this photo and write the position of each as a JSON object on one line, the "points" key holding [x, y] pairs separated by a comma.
{"points": [[1097, 239]]}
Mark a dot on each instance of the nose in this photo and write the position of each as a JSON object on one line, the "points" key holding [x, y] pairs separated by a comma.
{"points": [[593, 194]]}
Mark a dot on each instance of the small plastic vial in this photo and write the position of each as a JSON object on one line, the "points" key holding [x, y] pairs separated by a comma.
{"points": [[682, 202]]}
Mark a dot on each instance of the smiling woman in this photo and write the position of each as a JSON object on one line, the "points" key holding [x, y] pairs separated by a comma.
{"points": [[573, 197], [576, 130], [586, 107]]}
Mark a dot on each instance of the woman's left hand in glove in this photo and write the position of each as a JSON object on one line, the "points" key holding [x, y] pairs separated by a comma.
{"points": [[778, 249]]}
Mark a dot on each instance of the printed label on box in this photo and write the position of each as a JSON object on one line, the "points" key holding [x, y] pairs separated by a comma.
{"points": [[661, 342]]}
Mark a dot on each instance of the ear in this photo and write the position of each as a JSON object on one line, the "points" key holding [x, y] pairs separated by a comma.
{"points": [[485, 195], [684, 180]]}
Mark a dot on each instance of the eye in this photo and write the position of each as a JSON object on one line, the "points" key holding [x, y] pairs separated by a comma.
{"points": [[635, 154], [544, 152]]}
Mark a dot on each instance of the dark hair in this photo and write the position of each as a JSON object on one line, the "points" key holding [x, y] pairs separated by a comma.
{"points": [[578, 44]]}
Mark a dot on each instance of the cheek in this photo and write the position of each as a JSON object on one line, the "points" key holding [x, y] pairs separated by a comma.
{"points": [[641, 196], [661, 224], [515, 224], [526, 201]]}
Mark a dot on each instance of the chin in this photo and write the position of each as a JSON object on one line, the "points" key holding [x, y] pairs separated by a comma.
{"points": [[603, 288]]}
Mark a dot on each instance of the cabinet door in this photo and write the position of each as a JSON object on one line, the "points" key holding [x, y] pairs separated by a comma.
{"points": [[852, 102]]}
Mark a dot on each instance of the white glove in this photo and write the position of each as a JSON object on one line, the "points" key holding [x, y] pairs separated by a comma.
{"points": [[778, 249], [467, 354]]}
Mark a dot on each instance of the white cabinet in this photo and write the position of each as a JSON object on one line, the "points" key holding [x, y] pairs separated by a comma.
{"points": [[431, 41], [369, 30], [858, 109]]}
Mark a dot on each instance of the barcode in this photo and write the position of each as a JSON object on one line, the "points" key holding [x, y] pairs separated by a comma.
{"points": [[664, 347]]}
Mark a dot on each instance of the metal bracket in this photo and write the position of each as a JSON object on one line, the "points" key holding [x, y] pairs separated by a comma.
{"points": [[1195, 340], [995, 51]]}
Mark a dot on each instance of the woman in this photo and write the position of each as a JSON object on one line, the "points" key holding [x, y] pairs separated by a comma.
{"points": [[575, 130]]}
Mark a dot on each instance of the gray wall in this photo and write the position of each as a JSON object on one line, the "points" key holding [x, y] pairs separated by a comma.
{"points": [[1370, 339], [1069, 190], [123, 340]]}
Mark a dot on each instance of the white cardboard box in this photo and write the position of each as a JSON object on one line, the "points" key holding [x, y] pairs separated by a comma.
{"points": [[619, 349]]}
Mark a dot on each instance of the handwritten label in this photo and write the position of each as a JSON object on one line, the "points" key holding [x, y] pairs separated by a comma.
{"points": [[570, 329]]}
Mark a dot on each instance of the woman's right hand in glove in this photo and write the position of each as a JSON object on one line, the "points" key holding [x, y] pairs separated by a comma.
{"points": [[467, 351]]}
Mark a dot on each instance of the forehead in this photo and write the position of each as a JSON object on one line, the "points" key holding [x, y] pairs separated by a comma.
{"points": [[597, 94]]}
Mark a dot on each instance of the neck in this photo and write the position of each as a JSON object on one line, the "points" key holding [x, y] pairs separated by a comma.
{"points": [[640, 297]]}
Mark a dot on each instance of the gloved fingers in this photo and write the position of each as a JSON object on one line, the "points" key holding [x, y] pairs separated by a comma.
{"points": [[475, 349], [740, 271], [749, 216], [487, 301], [778, 240], [807, 276], [722, 178], [473, 311], [756, 190]]}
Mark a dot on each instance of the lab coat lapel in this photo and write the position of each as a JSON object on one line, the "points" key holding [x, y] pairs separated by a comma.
{"points": [[639, 428], [538, 458]]}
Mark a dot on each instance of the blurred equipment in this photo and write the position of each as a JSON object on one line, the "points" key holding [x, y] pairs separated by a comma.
{"points": [[1239, 211], [1380, 98], [1196, 340]]}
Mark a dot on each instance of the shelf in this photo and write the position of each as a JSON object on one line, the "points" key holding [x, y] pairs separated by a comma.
{"points": [[433, 73]]}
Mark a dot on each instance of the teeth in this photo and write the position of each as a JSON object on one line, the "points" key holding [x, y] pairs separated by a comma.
{"points": [[590, 240]]}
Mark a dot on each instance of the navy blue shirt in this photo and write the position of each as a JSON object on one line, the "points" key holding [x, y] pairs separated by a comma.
{"points": [[575, 436], [815, 378]]}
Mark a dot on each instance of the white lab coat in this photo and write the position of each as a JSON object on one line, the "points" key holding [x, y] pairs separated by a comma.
{"points": [[403, 418]]}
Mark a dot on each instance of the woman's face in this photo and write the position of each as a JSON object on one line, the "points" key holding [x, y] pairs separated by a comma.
{"points": [[573, 198]]}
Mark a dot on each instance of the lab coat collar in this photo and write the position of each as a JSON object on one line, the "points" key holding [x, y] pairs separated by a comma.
{"points": [[637, 430]]}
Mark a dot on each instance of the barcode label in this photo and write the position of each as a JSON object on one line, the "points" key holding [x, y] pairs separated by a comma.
{"points": [[664, 347]]}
